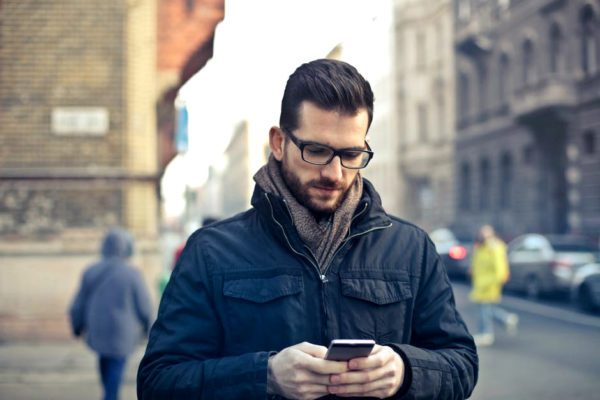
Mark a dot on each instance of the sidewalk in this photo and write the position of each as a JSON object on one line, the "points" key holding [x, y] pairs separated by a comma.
{"points": [[56, 371]]}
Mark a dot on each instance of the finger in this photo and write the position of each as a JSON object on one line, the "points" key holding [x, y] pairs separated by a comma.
{"points": [[326, 367], [381, 388], [360, 377], [380, 356], [308, 377], [312, 349], [308, 357]]}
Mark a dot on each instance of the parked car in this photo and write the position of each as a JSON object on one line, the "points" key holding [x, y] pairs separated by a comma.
{"points": [[454, 251], [546, 264], [585, 287]]}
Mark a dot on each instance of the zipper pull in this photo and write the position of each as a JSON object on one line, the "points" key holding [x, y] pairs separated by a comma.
{"points": [[324, 279]]}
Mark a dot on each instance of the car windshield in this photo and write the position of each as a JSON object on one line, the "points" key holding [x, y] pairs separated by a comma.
{"points": [[572, 246]]}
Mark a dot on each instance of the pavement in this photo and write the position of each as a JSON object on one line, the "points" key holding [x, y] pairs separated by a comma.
{"points": [[56, 371]]}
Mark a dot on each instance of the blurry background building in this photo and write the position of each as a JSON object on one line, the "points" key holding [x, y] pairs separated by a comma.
{"points": [[425, 111], [528, 93], [487, 111], [79, 147]]}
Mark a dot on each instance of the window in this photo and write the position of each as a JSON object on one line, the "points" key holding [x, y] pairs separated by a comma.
{"points": [[589, 45], [484, 185], [589, 143], [506, 177], [528, 62], [420, 50], [482, 86], [504, 79], [465, 187], [528, 154], [423, 127], [555, 50], [441, 117], [464, 96]]}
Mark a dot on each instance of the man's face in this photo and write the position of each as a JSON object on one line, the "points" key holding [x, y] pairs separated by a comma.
{"points": [[322, 188]]}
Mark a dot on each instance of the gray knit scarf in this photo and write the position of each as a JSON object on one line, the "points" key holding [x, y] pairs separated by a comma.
{"points": [[322, 237]]}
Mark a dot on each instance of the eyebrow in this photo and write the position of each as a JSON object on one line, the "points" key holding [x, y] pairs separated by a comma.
{"points": [[353, 148]]}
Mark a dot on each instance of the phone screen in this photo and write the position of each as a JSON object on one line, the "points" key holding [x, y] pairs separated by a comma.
{"points": [[347, 349]]}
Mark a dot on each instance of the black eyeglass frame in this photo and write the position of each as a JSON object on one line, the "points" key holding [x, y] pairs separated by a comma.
{"points": [[301, 144]]}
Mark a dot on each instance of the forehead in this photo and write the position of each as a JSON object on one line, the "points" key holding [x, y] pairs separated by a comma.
{"points": [[332, 127]]}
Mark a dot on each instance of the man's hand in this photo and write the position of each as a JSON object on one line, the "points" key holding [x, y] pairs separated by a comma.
{"points": [[301, 372], [379, 375]]}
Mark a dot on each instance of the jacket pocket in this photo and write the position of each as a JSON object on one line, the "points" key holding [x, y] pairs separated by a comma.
{"points": [[376, 305], [262, 312], [263, 290]]}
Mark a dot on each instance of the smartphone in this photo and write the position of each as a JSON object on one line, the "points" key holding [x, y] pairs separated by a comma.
{"points": [[347, 349]]}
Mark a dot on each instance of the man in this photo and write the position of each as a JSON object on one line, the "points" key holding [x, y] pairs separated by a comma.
{"points": [[112, 309], [255, 299], [489, 273]]}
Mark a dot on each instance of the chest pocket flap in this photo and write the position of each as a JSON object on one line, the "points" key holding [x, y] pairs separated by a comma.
{"points": [[262, 290], [376, 290]]}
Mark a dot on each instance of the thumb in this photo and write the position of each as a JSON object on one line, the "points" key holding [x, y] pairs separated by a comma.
{"points": [[312, 349]]}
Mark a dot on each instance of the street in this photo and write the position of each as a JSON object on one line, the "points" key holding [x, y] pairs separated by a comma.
{"points": [[555, 355]]}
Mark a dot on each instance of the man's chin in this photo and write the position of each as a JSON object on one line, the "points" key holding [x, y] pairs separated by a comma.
{"points": [[324, 207]]}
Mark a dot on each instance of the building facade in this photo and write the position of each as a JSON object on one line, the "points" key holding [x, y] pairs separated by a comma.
{"points": [[528, 95], [425, 111], [78, 150]]}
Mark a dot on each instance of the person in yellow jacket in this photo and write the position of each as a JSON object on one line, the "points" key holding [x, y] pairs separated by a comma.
{"points": [[489, 273]]}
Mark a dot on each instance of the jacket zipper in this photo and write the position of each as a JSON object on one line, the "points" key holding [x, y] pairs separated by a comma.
{"points": [[353, 236], [316, 267]]}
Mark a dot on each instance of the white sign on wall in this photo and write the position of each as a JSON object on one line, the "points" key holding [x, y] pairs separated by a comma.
{"points": [[80, 120]]}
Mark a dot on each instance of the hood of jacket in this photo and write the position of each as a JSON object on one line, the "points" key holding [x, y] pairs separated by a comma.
{"points": [[117, 243]]}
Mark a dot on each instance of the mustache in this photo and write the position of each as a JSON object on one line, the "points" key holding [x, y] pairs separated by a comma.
{"points": [[327, 184]]}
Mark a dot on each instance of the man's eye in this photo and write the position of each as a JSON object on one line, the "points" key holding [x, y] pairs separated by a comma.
{"points": [[352, 155], [317, 150]]}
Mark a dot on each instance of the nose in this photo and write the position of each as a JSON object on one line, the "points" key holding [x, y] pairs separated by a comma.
{"points": [[333, 170]]}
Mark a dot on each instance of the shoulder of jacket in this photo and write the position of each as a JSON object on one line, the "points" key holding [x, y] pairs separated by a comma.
{"points": [[407, 227]]}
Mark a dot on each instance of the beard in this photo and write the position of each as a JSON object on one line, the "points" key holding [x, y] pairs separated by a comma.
{"points": [[300, 191]]}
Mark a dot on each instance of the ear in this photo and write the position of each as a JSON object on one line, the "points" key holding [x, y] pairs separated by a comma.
{"points": [[276, 142]]}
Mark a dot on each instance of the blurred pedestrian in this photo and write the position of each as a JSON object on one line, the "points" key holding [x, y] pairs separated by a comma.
{"points": [[489, 273], [256, 298], [112, 309]]}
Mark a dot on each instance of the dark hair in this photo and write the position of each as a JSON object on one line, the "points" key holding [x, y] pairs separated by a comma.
{"points": [[331, 85]]}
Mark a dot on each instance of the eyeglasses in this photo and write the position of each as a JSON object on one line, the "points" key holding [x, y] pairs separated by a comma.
{"points": [[321, 154]]}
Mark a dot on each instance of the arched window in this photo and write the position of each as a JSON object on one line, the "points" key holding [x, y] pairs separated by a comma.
{"points": [[465, 187], [555, 50], [506, 178], [485, 184], [589, 41], [528, 62], [504, 79]]}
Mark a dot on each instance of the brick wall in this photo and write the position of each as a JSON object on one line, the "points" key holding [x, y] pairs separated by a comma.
{"points": [[59, 192], [62, 53]]}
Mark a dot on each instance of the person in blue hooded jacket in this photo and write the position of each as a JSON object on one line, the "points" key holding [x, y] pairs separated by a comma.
{"points": [[112, 309]]}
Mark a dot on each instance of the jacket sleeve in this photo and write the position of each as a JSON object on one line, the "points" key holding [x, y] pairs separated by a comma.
{"points": [[142, 302], [183, 359], [441, 360]]}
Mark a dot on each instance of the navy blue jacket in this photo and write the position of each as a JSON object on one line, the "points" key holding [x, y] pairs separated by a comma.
{"points": [[112, 307], [247, 286]]}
